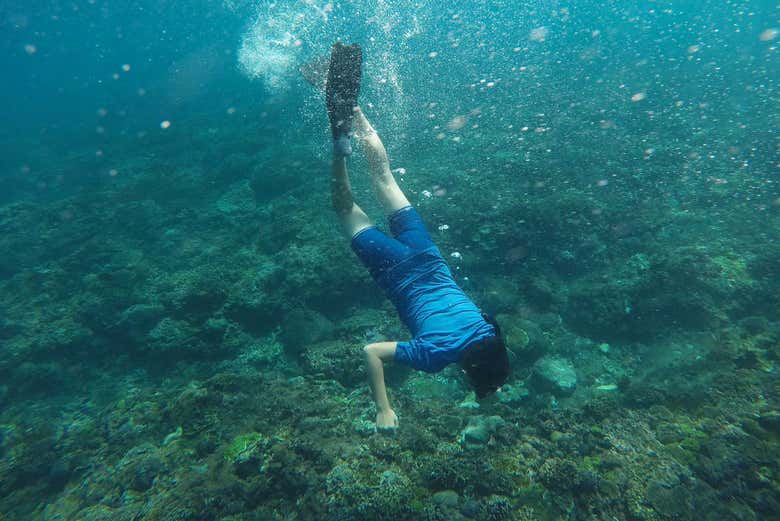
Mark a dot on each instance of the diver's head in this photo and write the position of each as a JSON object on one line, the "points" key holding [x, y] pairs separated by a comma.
{"points": [[486, 364]]}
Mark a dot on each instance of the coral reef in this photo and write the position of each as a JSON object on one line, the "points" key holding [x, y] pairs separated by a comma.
{"points": [[180, 339]]}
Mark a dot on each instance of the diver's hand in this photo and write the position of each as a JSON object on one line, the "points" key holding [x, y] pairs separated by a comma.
{"points": [[386, 421]]}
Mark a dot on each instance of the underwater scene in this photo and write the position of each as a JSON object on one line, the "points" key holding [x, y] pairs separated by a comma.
{"points": [[367, 260]]}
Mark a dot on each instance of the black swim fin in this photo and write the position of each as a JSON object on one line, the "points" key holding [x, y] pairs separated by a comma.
{"points": [[341, 93]]}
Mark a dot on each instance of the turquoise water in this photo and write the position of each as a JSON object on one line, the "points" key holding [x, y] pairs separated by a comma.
{"points": [[181, 321]]}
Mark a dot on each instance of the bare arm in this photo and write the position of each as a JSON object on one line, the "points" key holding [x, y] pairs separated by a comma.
{"points": [[375, 355]]}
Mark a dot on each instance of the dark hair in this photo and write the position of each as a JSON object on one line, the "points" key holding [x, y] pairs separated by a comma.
{"points": [[486, 362]]}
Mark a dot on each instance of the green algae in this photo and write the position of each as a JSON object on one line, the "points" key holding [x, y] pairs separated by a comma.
{"points": [[243, 447]]}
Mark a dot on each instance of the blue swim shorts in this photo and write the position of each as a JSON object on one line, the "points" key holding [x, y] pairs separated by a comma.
{"points": [[381, 253]]}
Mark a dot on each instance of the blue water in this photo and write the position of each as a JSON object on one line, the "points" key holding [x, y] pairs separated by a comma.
{"points": [[181, 322]]}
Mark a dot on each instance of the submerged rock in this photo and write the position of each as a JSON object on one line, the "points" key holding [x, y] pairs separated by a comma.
{"points": [[513, 394], [524, 338], [554, 375], [479, 430], [446, 498]]}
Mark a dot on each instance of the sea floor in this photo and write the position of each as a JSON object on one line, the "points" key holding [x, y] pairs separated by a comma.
{"points": [[182, 327]]}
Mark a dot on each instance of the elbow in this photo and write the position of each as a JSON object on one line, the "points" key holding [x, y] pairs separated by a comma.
{"points": [[372, 357]]}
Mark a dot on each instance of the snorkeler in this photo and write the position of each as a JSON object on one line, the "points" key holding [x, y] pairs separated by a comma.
{"points": [[446, 326]]}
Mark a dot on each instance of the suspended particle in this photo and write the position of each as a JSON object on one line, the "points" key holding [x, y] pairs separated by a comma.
{"points": [[444, 227], [768, 35], [692, 49], [30, 49], [539, 34], [142, 92], [602, 182], [231, 110], [126, 67], [639, 96], [115, 76], [165, 124], [441, 135], [433, 54], [113, 172], [102, 112], [457, 123]]}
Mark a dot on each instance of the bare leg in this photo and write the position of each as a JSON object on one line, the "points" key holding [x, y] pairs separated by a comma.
{"points": [[353, 219], [387, 190]]}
